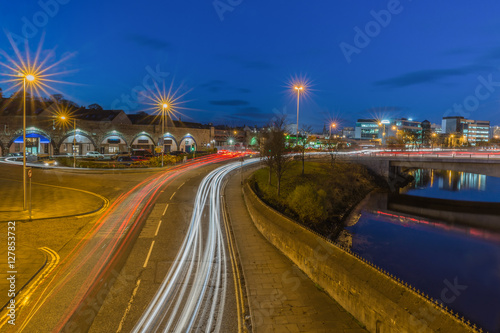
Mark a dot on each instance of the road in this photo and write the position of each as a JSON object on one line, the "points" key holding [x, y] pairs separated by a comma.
{"points": [[183, 266], [70, 294]]}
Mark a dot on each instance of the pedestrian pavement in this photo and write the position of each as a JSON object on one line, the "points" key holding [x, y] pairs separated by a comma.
{"points": [[280, 296], [48, 201], [28, 263]]}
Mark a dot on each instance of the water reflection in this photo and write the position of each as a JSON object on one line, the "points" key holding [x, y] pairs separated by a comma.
{"points": [[454, 185], [426, 252]]}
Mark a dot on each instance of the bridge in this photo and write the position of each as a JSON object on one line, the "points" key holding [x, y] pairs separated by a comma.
{"points": [[389, 164]]}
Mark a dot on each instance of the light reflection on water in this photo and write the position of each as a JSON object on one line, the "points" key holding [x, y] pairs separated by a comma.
{"points": [[453, 185], [426, 252]]}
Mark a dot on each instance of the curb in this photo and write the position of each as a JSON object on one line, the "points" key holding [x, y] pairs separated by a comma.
{"points": [[27, 282]]}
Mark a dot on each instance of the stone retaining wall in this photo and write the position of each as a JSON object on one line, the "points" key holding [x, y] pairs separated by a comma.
{"points": [[381, 302]]}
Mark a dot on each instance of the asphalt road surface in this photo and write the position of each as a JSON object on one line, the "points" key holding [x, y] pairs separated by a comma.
{"points": [[72, 290], [182, 273]]}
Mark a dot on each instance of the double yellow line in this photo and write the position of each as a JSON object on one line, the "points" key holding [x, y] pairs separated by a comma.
{"points": [[26, 296], [240, 306]]}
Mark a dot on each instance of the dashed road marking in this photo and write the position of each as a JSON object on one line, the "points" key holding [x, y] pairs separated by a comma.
{"points": [[149, 253], [157, 229]]}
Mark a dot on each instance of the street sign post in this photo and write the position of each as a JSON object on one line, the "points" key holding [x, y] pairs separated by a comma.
{"points": [[30, 173]]}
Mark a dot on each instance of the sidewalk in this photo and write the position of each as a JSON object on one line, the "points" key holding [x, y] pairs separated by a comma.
{"points": [[47, 201], [29, 262], [280, 296]]}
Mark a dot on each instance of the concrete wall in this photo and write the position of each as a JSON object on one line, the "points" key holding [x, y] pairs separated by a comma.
{"points": [[378, 301], [383, 165]]}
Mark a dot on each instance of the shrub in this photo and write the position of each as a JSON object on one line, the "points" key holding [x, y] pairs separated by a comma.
{"points": [[308, 204]]}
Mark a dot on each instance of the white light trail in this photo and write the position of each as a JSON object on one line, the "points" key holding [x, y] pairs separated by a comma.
{"points": [[193, 294]]}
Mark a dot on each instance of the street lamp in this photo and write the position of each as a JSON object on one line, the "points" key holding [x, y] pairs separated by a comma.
{"points": [[74, 138], [29, 78], [164, 108], [299, 89], [332, 125]]}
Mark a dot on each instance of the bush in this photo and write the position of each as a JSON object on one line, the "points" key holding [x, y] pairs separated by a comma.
{"points": [[156, 161], [308, 204]]}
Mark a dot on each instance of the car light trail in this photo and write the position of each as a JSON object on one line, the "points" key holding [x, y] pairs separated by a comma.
{"points": [[105, 242], [192, 295]]}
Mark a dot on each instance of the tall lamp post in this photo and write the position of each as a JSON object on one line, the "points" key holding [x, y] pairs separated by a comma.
{"points": [[164, 110], [29, 78], [299, 89], [332, 125], [74, 138]]}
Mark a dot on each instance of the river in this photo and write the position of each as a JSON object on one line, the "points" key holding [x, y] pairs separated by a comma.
{"points": [[458, 265]]}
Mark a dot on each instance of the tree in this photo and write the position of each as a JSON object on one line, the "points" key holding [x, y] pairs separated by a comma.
{"points": [[1, 94], [410, 137], [280, 156], [273, 150], [265, 151], [394, 142], [302, 148], [57, 98], [95, 107]]}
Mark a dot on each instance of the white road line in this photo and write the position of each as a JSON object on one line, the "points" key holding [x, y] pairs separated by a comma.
{"points": [[149, 253], [193, 293], [181, 185], [172, 195], [127, 310], [165, 210], [158, 228]]}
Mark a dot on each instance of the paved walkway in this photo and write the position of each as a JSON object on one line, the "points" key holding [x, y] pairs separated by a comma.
{"points": [[28, 263], [281, 297], [48, 201]]}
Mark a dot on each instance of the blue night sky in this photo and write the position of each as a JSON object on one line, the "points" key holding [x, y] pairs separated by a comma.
{"points": [[237, 60]]}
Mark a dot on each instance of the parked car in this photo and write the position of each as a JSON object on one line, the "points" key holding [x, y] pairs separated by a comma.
{"points": [[14, 155], [176, 153], [125, 160], [138, 158], [95, 154], [120, 154]]}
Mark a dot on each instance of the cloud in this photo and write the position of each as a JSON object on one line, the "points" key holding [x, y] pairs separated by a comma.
{"points": [[214, 86], [428, 76], [229, 102], [153, 43]]}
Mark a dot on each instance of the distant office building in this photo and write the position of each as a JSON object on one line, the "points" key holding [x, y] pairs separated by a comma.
{"points": [[403, 128], [367, 129], [495, 132], [473, 131], [436, 128], [348, 132]]}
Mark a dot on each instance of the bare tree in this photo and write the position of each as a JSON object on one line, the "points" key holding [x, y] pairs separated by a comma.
{"points": [[278, 151], [265, 150], [306, 130]]}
